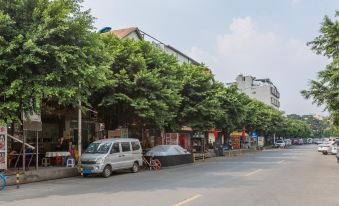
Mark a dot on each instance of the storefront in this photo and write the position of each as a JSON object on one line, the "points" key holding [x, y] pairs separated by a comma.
{"points": [[198, 142], [240, 140]]}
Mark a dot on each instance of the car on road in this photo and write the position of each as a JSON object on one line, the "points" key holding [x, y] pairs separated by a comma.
{"points": [[317, 141], [309, 141], [334, 148], [297, 141], [323, 147], [288, 142], [326, 148], [107, 155], [279, 143]]}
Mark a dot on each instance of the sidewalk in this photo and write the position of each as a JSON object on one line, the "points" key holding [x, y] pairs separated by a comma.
{"points": [[51, 173], [48, 173]]}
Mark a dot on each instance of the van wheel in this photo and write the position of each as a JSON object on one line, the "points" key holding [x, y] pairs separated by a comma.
{"points": [[107, 171], [135, 167]]}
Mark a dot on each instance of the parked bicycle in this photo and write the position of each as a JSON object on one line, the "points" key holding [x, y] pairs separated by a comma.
{"points": [[153, 164], [2, 181]]}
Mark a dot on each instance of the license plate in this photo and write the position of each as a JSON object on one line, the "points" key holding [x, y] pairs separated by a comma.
{"points": [[87, 171]]}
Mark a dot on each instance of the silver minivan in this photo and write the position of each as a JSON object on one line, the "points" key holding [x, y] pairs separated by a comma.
{"points": [[107, 155]]}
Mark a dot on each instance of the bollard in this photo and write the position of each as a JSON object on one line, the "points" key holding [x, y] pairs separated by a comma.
{"points": [[203, 156], [81, 171], [229, 155], [17, 175], [193, 156]]}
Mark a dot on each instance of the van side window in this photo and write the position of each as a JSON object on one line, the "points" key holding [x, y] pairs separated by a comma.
{"points": [[135, 146], [115, 148], [125, 146]]}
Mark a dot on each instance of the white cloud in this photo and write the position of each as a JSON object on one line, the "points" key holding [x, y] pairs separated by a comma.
{"points": [[203, 56], [296, 1], [247, 49]]}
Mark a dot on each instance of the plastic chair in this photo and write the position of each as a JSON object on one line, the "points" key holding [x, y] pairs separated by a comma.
{"points": [[46, 162], [70, 162], [58, 160]]}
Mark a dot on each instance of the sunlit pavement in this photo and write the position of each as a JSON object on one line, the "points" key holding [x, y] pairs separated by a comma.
{"points": [[296, 176]]}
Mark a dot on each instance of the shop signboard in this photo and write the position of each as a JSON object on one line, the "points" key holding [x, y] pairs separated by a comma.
{"points": [[3, 147], [261, 141]]}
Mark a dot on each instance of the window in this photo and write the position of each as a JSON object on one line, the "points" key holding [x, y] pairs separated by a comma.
{"points": [[135, 146], [125, 146], [115, 148], [98, 148]]}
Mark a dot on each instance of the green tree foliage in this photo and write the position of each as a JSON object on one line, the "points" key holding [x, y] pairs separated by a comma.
{"points": [[147, 89], [331, 131], [200, 106], [47, 48], [325, 90]]}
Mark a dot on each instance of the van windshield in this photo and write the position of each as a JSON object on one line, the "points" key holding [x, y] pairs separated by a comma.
{"points": [[98, 148]]}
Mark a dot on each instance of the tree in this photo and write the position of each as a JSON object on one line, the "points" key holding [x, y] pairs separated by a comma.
{"points": [[325, 90], [47, 49], [146, 89], [331, 131], [233, 103], [200, 106]]}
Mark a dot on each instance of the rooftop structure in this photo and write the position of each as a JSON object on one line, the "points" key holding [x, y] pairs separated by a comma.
{"points": [[261, 89]]}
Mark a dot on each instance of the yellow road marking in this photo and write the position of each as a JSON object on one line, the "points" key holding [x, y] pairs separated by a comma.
{"points": [[252, 173], [187, 200]]}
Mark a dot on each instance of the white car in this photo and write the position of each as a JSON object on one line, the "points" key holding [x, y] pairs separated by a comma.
{"points": [[288, 142], [334, 148], [309, 141], [280, 143], [325, 148]]}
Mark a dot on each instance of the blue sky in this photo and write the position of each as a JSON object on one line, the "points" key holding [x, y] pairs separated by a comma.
{"points": [[262, 38]]}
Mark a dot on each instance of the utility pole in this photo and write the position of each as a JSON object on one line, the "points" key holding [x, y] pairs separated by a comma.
{"points": [[79, 125]]}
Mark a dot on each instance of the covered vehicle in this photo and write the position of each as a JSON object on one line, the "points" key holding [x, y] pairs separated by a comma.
{"points": [[170, 155]]}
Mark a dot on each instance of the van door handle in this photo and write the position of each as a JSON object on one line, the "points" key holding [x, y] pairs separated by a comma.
{"points": [[121, 155]]}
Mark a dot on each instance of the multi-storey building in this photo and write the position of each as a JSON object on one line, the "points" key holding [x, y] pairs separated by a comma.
{"points": [[260, 89], [137, 34]]}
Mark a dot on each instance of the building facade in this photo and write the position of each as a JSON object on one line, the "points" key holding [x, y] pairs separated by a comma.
{"points": [[260, 89], [137, 34]]}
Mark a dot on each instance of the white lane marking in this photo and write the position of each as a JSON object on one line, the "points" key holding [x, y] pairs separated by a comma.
{"points": [[280, 161], [187, 200], [252, 173]]}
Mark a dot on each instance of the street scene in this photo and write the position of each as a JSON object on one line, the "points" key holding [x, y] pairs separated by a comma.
{"points": [[174, 103], [295, 176]]}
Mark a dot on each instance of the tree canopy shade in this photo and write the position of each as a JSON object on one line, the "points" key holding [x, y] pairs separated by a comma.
{"points": [[325, 90], [47, 49], [147, 89]]}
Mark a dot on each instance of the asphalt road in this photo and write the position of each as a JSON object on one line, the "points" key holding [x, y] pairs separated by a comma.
{"points": [[297, 176]]}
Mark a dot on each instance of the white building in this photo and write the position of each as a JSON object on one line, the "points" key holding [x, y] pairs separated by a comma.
{"points": [[260, 89], [137, 34]]}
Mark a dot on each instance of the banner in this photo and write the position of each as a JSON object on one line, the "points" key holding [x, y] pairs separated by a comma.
{"points": [[3, 147]]}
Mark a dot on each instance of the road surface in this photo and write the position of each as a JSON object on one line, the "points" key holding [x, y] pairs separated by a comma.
{"points": [[297, 176]]}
